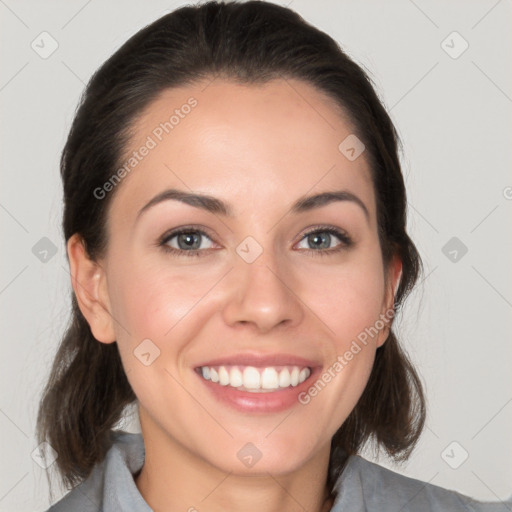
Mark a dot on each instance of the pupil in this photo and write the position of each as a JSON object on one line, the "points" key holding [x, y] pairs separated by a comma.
{"points": [[315, 237], [189, 240]]}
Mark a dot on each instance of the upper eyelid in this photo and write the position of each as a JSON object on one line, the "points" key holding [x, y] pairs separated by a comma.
{"points": [[186, 229]]}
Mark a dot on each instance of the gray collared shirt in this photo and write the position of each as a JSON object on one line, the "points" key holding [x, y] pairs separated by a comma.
{"points": [[363, 486]]}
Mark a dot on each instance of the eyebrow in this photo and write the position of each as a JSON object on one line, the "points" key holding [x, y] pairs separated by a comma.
{"points": [[216, 206]]}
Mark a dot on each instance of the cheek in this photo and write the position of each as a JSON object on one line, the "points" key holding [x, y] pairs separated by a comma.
{"points": [[168, 306], [349, 304], [153, 312], [347, 299], [159, 303], [151, 299]]}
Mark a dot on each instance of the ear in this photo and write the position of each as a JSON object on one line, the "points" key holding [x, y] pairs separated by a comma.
{"points": [[90, 285], [394, 274]]}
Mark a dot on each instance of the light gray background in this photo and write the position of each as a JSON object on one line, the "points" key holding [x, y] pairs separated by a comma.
{"points": [[454, 117]]}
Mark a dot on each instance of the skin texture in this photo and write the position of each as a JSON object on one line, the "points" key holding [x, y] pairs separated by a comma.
{"points": [[258, 148]]}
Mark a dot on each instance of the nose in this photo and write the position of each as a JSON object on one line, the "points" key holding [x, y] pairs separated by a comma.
{"points": [[263, 294]]}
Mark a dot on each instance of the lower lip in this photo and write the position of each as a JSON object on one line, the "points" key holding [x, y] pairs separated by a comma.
{"points": [[268, 402]]}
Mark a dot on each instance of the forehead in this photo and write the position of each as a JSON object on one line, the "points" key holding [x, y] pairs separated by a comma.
{"points": [[246, 144]]}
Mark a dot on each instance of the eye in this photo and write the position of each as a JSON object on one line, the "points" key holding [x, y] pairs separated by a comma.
{"points": [[187, 243], [322, 237]]}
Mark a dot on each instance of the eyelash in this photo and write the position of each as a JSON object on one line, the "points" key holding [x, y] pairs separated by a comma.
{"points": [[345, 240]]}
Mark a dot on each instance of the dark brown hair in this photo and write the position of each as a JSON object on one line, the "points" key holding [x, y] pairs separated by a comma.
{"points": [[251, 43]]}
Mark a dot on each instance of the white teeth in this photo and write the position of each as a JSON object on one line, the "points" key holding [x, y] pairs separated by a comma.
{"points": [[294, 376], [270, 379], [236, 378], [251, 378], [258, 380], [303, 375], [223, 376], [284, 378]]}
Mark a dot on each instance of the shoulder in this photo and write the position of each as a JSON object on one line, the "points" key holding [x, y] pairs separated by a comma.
{"points": [[110, 485], [366, 486]]}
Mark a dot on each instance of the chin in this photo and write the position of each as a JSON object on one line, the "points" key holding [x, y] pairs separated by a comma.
{"points": [[260, 459]]}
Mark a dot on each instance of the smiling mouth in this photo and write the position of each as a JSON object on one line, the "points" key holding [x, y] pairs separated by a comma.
{"points": [[254, 379]]}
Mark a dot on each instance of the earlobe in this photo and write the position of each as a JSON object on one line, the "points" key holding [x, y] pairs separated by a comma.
{"points": [[89, 284]]}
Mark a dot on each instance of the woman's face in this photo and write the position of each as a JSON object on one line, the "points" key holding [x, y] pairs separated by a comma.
{"points": [[269, 291]]}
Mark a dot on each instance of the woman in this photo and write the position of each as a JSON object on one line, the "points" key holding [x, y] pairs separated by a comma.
{"points": [[235, 221]]}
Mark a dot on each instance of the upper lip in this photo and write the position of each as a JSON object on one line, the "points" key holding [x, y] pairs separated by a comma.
{"points": [[261, 360]]}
